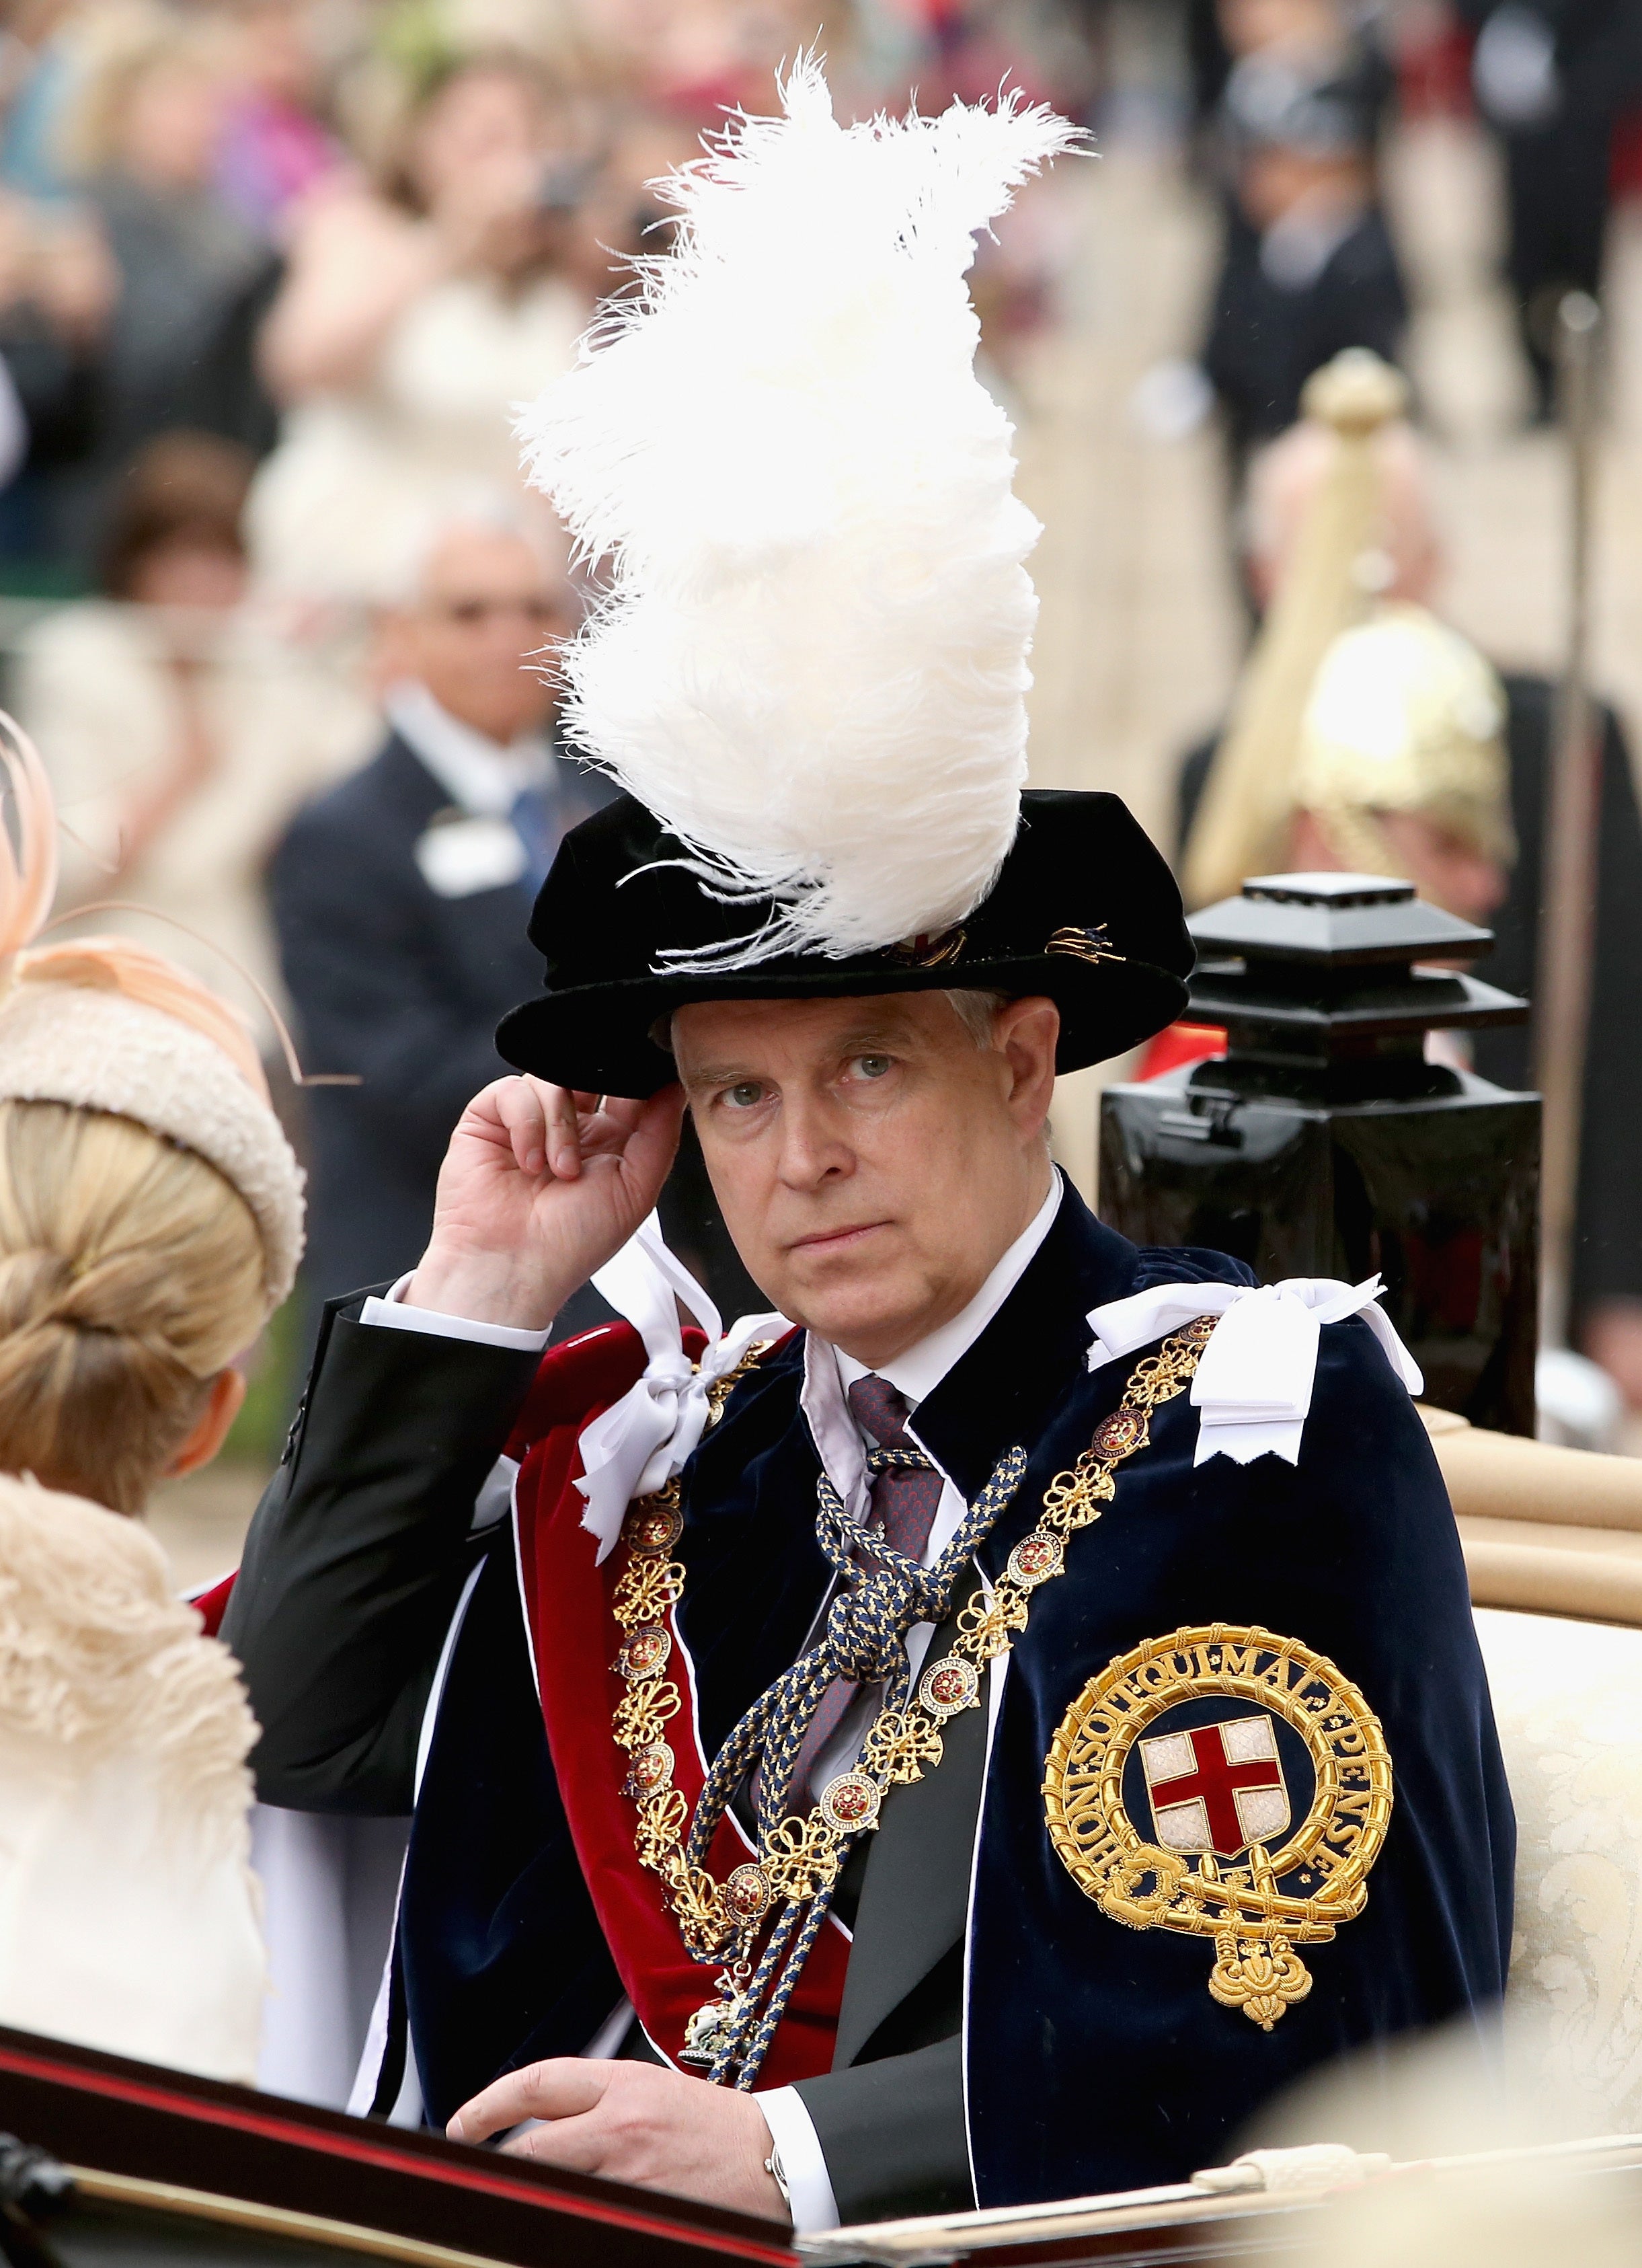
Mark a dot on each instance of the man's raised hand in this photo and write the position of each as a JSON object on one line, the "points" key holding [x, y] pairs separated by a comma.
{"points": [[539, 1187]]}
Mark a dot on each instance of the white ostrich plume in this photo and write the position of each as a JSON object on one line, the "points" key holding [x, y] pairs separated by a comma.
{"points": [[811, 661]]}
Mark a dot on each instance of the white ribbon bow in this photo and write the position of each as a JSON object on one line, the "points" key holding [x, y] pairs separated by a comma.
{"points": [[643, 1439], [1255, 1378]]}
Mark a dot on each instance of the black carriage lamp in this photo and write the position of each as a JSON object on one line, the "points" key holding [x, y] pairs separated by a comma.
{"points": [[1323, 1142]]}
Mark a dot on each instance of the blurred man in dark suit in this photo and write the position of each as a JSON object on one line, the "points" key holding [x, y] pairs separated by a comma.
{"points": [[401, 896], [1308, 267], [402, 899], [1552, 78]]}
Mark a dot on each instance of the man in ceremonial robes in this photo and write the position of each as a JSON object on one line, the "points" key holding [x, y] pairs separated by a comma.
{"points": [[978, 1731]]}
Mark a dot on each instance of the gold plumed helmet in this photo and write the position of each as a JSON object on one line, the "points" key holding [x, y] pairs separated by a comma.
{"points": [[1349, 707], [1405, 715]]}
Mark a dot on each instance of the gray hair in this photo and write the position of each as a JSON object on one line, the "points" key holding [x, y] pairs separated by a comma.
{"points": [[464, 507], [975, 1010]]}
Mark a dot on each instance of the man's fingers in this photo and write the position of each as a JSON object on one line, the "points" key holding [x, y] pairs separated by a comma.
{"points": [[520, 1108], [609, 1119], [561, 2088], [555, 1130], [623, 1125], [574, 2144], [563, 1131], [633, 2123], [653, 1143], [639, 1139]]}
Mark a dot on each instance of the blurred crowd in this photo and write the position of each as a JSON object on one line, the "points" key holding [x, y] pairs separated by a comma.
{"points": [[1294, 100], [274, 274], [344, 235]]}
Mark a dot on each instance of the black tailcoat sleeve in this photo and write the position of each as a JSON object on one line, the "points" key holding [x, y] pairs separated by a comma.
{"points": [[357, 1554], [399, 988], [892, 2131], [1264, 340]]}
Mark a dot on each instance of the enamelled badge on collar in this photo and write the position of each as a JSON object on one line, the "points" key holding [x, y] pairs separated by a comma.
{"points": [[1227, 1783]]}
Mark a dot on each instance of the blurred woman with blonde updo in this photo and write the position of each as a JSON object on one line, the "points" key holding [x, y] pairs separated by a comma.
{"points": [[151, 1219]]}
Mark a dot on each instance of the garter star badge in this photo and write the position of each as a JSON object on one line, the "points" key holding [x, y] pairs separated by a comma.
{"points": [[1173, 1785]]}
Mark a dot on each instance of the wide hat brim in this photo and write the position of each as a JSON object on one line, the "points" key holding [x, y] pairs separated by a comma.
{"points": [[1084, 911]]}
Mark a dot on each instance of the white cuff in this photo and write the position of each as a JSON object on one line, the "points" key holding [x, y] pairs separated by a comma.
{"points": [[393, 1314], [809, 2185]]}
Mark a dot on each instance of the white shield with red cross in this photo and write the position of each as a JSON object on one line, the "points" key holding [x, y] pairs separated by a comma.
{"points": [[1216, 1788]]}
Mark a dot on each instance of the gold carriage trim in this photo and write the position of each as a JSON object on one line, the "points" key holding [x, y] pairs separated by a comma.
{"points": [[1260, 1909]]}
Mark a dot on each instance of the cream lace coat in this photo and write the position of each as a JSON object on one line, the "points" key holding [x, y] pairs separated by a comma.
{"points": [[129, 1916], [1568, 1699]]}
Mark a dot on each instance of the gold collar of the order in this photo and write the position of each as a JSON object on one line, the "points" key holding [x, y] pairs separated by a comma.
{"points": [[801, 1857]]}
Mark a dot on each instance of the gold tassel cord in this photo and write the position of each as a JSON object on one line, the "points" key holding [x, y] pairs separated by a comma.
{"points": [[1241, 824]]}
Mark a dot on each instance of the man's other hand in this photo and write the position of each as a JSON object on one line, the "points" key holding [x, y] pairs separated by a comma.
{"points": [[539, 1187], [633, 2123]]}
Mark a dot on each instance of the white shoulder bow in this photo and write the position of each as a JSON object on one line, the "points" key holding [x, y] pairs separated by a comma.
{"points": [[643, 1439], [1252, 1389], [1253, 1385]]}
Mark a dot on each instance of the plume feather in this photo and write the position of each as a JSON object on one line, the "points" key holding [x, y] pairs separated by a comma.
{"points": [[811, 660]]}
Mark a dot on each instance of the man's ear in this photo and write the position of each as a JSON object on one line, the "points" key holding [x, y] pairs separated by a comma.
{"points": [[1026, 1034], [224, 1397]]}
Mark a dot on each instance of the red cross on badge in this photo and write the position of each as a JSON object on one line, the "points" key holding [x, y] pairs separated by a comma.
{"points": [[1218, 1787]]}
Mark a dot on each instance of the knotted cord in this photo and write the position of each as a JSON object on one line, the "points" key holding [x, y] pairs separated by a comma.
{"points": [[883, 1593]]}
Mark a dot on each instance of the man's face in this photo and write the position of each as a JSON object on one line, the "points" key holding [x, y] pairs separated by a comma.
{"points": [[189, 574], [1283, 487], [1445, 867], [171, 126], [1249, 26], [489, 602], [873, 1162], [1274, 182]]}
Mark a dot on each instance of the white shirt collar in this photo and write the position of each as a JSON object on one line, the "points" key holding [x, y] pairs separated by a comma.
{"points": [[829, 1372], [480, 775]]}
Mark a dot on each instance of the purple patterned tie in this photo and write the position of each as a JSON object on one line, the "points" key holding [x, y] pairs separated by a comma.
{"points": [[903, 1507]]}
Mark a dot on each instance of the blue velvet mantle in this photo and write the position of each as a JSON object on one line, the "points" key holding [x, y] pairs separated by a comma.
{"points": [[1095, 2057]]}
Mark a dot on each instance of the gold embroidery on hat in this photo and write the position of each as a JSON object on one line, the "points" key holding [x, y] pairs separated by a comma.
{"points": [[1091, 945]]}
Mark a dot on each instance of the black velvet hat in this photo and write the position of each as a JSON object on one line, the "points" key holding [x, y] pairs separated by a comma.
{"points": [[1085, 911]]}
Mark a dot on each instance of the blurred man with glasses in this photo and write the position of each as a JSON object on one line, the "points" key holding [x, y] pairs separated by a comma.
{"points": [[401, 896]]}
